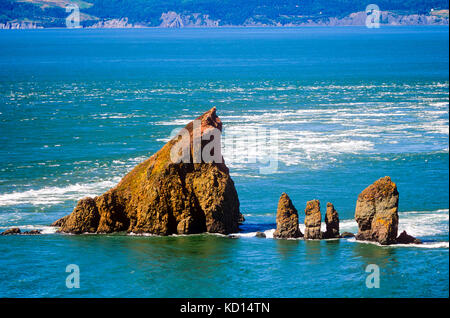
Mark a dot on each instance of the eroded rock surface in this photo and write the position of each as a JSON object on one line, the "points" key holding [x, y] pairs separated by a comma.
{"points": [[162, 197], [313, 220], [332, 222], [377, 212], [287, 219]]}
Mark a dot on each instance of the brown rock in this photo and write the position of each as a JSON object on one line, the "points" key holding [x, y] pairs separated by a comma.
{"points": [[32, 232], [405, 238], [347, 234], [287, 219], [60, 221], [313, 220], [332, 222], [260, 234], [162, 197], [14, 230], [377, 212]]}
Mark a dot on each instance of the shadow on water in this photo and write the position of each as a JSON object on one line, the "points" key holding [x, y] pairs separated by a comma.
{"points": [[148, 263], [383, 256], [287, 249]]}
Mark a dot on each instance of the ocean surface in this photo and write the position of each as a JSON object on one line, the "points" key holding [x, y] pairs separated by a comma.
{"points": [[80, 108]]}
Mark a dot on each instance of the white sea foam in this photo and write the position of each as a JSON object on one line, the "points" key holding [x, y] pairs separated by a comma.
{"points": [[423, 245], [56, 195], [318, 136]]}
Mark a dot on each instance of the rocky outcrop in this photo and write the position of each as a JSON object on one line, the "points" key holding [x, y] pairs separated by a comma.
{"points": [[377, 212], [347, 235], [19, 25], [32, 232], [16, 230], [260, 234], [113, 24], [332, 222], [11, 231], [353, 19], [287, 219], [313, 220], [163, 197], [172, 19], [405, 238]]}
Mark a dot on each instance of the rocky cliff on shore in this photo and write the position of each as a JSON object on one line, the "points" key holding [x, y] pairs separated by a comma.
{"points": [[162, 197]]}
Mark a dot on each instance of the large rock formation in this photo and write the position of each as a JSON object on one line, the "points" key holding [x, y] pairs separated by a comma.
{"points": [[313, 220], [287, 219], [332, 222], [160, 196], [377, 212]]}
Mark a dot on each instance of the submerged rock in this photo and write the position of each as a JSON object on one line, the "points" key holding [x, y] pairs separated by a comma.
{"points": [[32, 232], [332, 222], [313, 220], [162, 196], [287, 219], [260, 234], [405, 238], [377, 212], [11, 231]]}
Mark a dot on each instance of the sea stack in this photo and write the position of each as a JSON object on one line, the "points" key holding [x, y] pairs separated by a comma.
{"points": [[313, 220], [377, 212], [162, 196], [332, 222], [287, 219]]}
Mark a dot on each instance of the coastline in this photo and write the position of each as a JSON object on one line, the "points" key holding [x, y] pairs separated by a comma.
{"points": [[238, 27], [177, 21]]}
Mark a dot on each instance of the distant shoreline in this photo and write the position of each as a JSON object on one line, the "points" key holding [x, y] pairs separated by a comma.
{"points": [[231, 27], [175, 20]]}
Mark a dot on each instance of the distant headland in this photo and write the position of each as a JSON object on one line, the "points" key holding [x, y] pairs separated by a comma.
{"points": [[35, 14]]}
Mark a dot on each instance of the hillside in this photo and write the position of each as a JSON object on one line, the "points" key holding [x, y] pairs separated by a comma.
{"points": [[191, 13]]}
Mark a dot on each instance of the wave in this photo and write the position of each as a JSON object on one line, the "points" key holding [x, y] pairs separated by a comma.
{"points": [[423, 245], [316, 135], [56, 195]]}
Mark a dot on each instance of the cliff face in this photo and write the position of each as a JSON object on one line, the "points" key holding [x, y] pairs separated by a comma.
{"points": [[172, 19], [162, 197]]}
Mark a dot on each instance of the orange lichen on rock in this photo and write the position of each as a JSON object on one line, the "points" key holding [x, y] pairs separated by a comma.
{"points": [[377, 212], [381, 188]]}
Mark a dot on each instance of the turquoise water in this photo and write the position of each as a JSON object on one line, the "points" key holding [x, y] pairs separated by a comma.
{"points": [[80, 108]]}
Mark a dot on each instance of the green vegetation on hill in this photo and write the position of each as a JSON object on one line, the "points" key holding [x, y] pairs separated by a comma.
{"points": [[22, 11], [229, 12]]}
